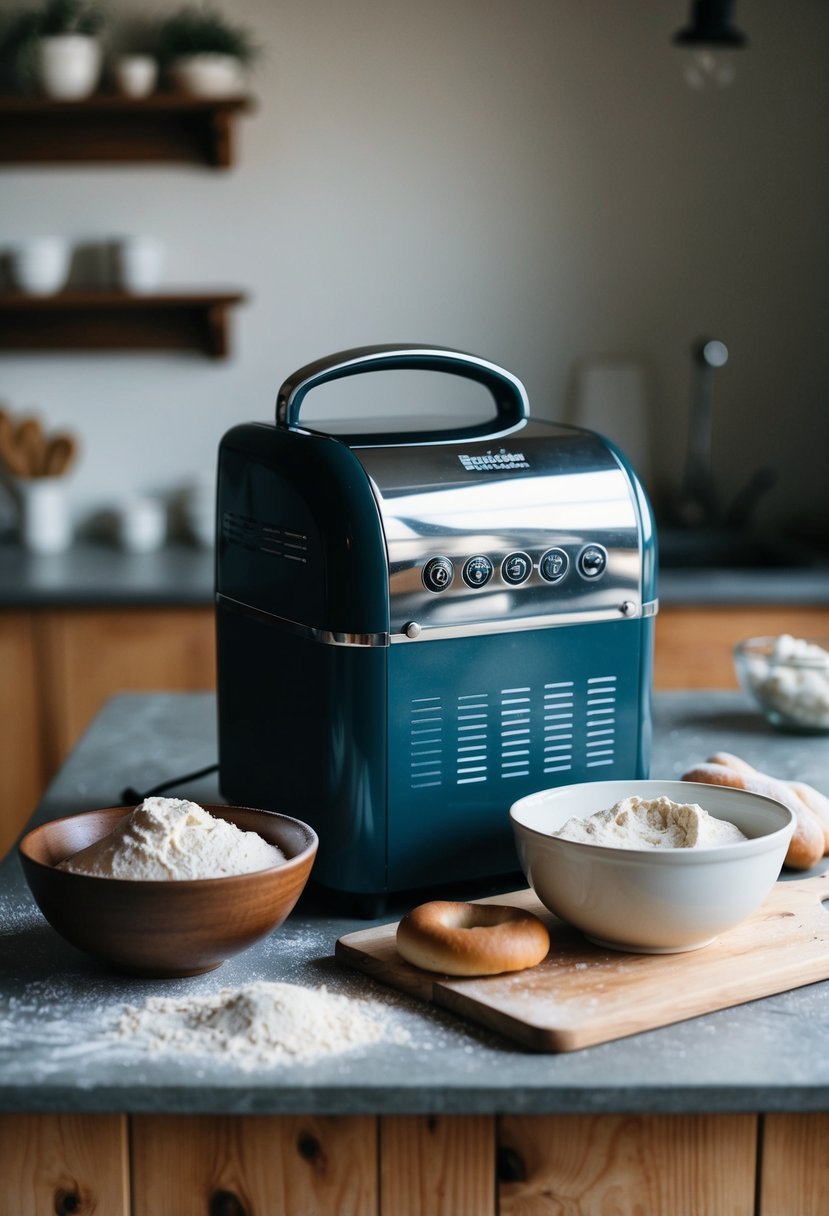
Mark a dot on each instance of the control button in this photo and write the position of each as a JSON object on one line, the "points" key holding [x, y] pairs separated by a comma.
{"points": [[412, 630], [553, 565], [516, 568], [438, 574], [477, 571], [592, 561]]}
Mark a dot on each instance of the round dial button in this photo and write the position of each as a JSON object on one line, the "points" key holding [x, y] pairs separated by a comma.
{"points": [[553, 565], [516, 568], [477, 571], [592, 561], [438, 574]]}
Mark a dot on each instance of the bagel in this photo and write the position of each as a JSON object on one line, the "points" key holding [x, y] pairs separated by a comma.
{"points": [[471, 939]]}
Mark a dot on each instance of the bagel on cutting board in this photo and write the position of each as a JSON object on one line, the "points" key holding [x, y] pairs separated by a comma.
{"points": [[810, 839], [472, 939]]}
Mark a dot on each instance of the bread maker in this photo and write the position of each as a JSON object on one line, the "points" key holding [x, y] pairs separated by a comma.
{"points": [[415, 628]]}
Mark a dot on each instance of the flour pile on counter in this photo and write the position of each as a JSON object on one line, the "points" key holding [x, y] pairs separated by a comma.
{"points": [[260, 1023], [657, 823], [166, 838]]}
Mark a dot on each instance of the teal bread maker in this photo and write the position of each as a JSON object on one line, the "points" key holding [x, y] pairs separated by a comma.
{"points": [[417, 627]]}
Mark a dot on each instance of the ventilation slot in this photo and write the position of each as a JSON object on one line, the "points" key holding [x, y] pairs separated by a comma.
{"points": [[282, 542], [600, 733], [426, 742], [558, 727], [515, 732], [240, 529], [473, 738], [251, 533]]}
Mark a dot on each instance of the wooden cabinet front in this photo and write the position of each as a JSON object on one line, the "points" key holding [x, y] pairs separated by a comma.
{"points": [[59, 666], [694, 643], [91, 654], [22, 768], [429, 1165]]}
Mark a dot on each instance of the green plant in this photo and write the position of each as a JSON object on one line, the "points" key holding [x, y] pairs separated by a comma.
{"points": [[22, 30], [196, 31], [53, 17]]}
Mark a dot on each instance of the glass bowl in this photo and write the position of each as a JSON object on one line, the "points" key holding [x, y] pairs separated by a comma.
{"points": [[788, 678]]}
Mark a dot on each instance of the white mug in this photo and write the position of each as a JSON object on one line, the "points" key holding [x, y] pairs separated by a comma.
{"points": [[141, 525], [136, 75], [40, 265], [139, 263], [45, 526]]}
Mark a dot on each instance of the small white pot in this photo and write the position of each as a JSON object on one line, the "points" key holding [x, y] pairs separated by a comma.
{"points": [[141, 525], [135, 75], [45, 525], [139, 263], [208, 75], [40, 265], [69, 66]]}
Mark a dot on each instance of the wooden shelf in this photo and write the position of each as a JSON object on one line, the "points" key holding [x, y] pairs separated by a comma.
{"points": [[117, 321], [111, 129]]}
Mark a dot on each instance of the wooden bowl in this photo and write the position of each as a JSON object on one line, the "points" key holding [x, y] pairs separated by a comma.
{"points": [[165, 928]]}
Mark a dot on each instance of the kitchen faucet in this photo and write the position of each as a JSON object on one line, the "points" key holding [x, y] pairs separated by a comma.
{"points": [[698, 504]]}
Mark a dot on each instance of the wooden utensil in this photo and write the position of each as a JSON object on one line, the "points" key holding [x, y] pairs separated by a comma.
{"points": [[10, 456], [30, 442], [582, 995], [60, 455]]}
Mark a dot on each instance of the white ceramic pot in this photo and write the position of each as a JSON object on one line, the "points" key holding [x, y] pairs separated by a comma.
{"points": [[69, 66], [208, 75], [141, 525], [198, 510], [139, 263], [40, 265], [135, 75], [45, 525]]}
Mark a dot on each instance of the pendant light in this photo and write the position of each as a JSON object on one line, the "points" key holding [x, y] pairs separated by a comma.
{"points": [[710, 41]]}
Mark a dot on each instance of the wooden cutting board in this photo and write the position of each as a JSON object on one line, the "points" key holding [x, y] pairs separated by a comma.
{"points": [[582, 994]]}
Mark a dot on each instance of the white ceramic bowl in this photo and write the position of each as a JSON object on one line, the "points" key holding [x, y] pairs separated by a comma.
{"points": [[208, 75], [651, 901]]}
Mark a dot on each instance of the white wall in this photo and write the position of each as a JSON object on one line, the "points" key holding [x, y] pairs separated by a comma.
{"points": [[530, 180]]}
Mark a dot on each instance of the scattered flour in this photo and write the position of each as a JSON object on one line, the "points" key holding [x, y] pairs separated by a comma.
{"points": [[167, 838], [259, 1024], [658, 823]]}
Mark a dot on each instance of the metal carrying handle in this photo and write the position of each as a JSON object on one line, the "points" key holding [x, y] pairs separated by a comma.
{"points": [[509, 394]]}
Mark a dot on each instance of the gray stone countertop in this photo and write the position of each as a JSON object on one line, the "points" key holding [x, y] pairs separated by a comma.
{"points": [[769, 1055], [99, 575]]}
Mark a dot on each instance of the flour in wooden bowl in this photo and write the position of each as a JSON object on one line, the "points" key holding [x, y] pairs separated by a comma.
{"points": [[172, 838], [260, 1023]]}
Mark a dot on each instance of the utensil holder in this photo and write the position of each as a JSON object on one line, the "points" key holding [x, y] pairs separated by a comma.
{"points": [[45, 526]]}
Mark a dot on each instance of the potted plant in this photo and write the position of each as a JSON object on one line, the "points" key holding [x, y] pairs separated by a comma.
{"points": [[204, 54], [57, 46]]}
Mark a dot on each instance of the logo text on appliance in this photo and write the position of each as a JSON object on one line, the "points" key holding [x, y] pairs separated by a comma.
{"points": [[495, 462]]}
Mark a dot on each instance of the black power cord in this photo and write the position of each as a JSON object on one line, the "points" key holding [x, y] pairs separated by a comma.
{"points": [[130, 795]]}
